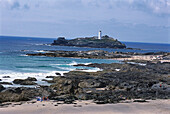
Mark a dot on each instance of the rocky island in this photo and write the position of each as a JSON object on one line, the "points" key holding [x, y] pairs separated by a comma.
{"points": [[93, 42]]}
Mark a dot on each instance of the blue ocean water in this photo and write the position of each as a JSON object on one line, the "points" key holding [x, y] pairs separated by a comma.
{"points": [[14, 62]]}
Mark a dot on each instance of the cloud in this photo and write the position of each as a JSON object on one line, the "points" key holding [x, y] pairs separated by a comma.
{"points": [[15, 5], [150, 6]]}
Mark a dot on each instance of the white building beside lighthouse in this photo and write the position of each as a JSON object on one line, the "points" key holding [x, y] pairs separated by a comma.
{"points": [[100, 35]]}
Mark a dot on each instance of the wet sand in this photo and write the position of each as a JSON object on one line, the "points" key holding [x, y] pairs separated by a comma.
{"points": [[87, 107]]}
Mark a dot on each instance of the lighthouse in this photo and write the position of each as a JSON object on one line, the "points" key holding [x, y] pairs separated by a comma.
{"points": [[100, 35]]}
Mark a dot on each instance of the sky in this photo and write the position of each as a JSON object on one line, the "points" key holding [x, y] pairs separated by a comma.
{"points": [[125, 20]]}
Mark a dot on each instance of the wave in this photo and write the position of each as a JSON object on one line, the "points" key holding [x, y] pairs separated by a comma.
{"points": [[41, 51], [66, 68], [70, 64], [73, 63], [38, 44], [44, 60], [19, 75], [91, 70], [23, 55]]}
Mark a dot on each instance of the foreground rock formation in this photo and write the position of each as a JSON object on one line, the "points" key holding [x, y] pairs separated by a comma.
{"points": [[115, 83], [100, 54], [105, 42]]}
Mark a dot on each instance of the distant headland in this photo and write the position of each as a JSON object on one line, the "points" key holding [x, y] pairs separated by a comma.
{"points": [[93, 42]]}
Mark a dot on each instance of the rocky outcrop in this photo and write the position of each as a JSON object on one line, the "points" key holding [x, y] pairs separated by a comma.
{"points": [[28, 81], [105, 42], [1, 88], [131, 81], [23, 94], [97, 54]]}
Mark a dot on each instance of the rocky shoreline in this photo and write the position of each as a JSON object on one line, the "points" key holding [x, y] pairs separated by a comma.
{"points": [[116, 83], [100, 54]]}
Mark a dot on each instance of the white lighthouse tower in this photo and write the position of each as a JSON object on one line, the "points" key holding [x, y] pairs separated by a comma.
{"points": [[100, 35]]}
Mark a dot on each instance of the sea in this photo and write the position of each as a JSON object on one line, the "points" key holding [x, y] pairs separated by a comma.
{"points": [[17, 65]]}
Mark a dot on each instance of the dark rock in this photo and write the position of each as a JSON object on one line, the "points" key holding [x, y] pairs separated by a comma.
{"points": [[24, 82], [77, 105], [23, 94], [90, 84], [6, 83], [49, 76], [49, 81], [6, 77], [105, 42], [141, 101], [28, 81], [58, 73], [1, 88], [107, 86], [31, 79]]}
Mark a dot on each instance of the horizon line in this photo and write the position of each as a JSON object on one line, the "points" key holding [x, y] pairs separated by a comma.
{"points": [[73, 38]]}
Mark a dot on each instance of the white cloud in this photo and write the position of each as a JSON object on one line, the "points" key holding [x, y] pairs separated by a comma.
{"points": [[154, 6]]}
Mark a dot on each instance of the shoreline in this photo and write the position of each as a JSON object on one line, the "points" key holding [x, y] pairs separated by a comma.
{"points": [[100, 54], [88, 107], [116, 83]]}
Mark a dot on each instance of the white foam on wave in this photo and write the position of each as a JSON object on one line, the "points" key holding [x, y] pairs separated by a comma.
{"points": [[86, 63], [42, 44], [20, 75], [71, 64], [66, 68], [23, 55], [38, 44], [41, 51], [91, 70], [142, 64]]}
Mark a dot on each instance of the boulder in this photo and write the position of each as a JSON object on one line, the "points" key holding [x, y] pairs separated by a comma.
{"points": [[31, 79], [6, 77], [58, 74], [64, 86], [1, 88], [6, 83], [90, 84], [49, 76], [28, 81]]}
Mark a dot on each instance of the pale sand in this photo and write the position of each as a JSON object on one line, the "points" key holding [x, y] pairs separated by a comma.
{"points": [[145, 57], [151, 107]]}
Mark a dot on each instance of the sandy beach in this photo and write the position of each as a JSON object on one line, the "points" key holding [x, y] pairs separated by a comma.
{"points": [[87, 107]]}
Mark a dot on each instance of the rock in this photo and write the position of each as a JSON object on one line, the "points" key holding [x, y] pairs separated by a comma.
{"points": [[64, 86], [90, 84], [23, 94], [24, 82], [77, 105], [106, 86], [1, 88], [58, 74], [31, 79], [49, 81], [105, 42], [6, 77], [6, 83], [49, 76], [141, 101]]}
